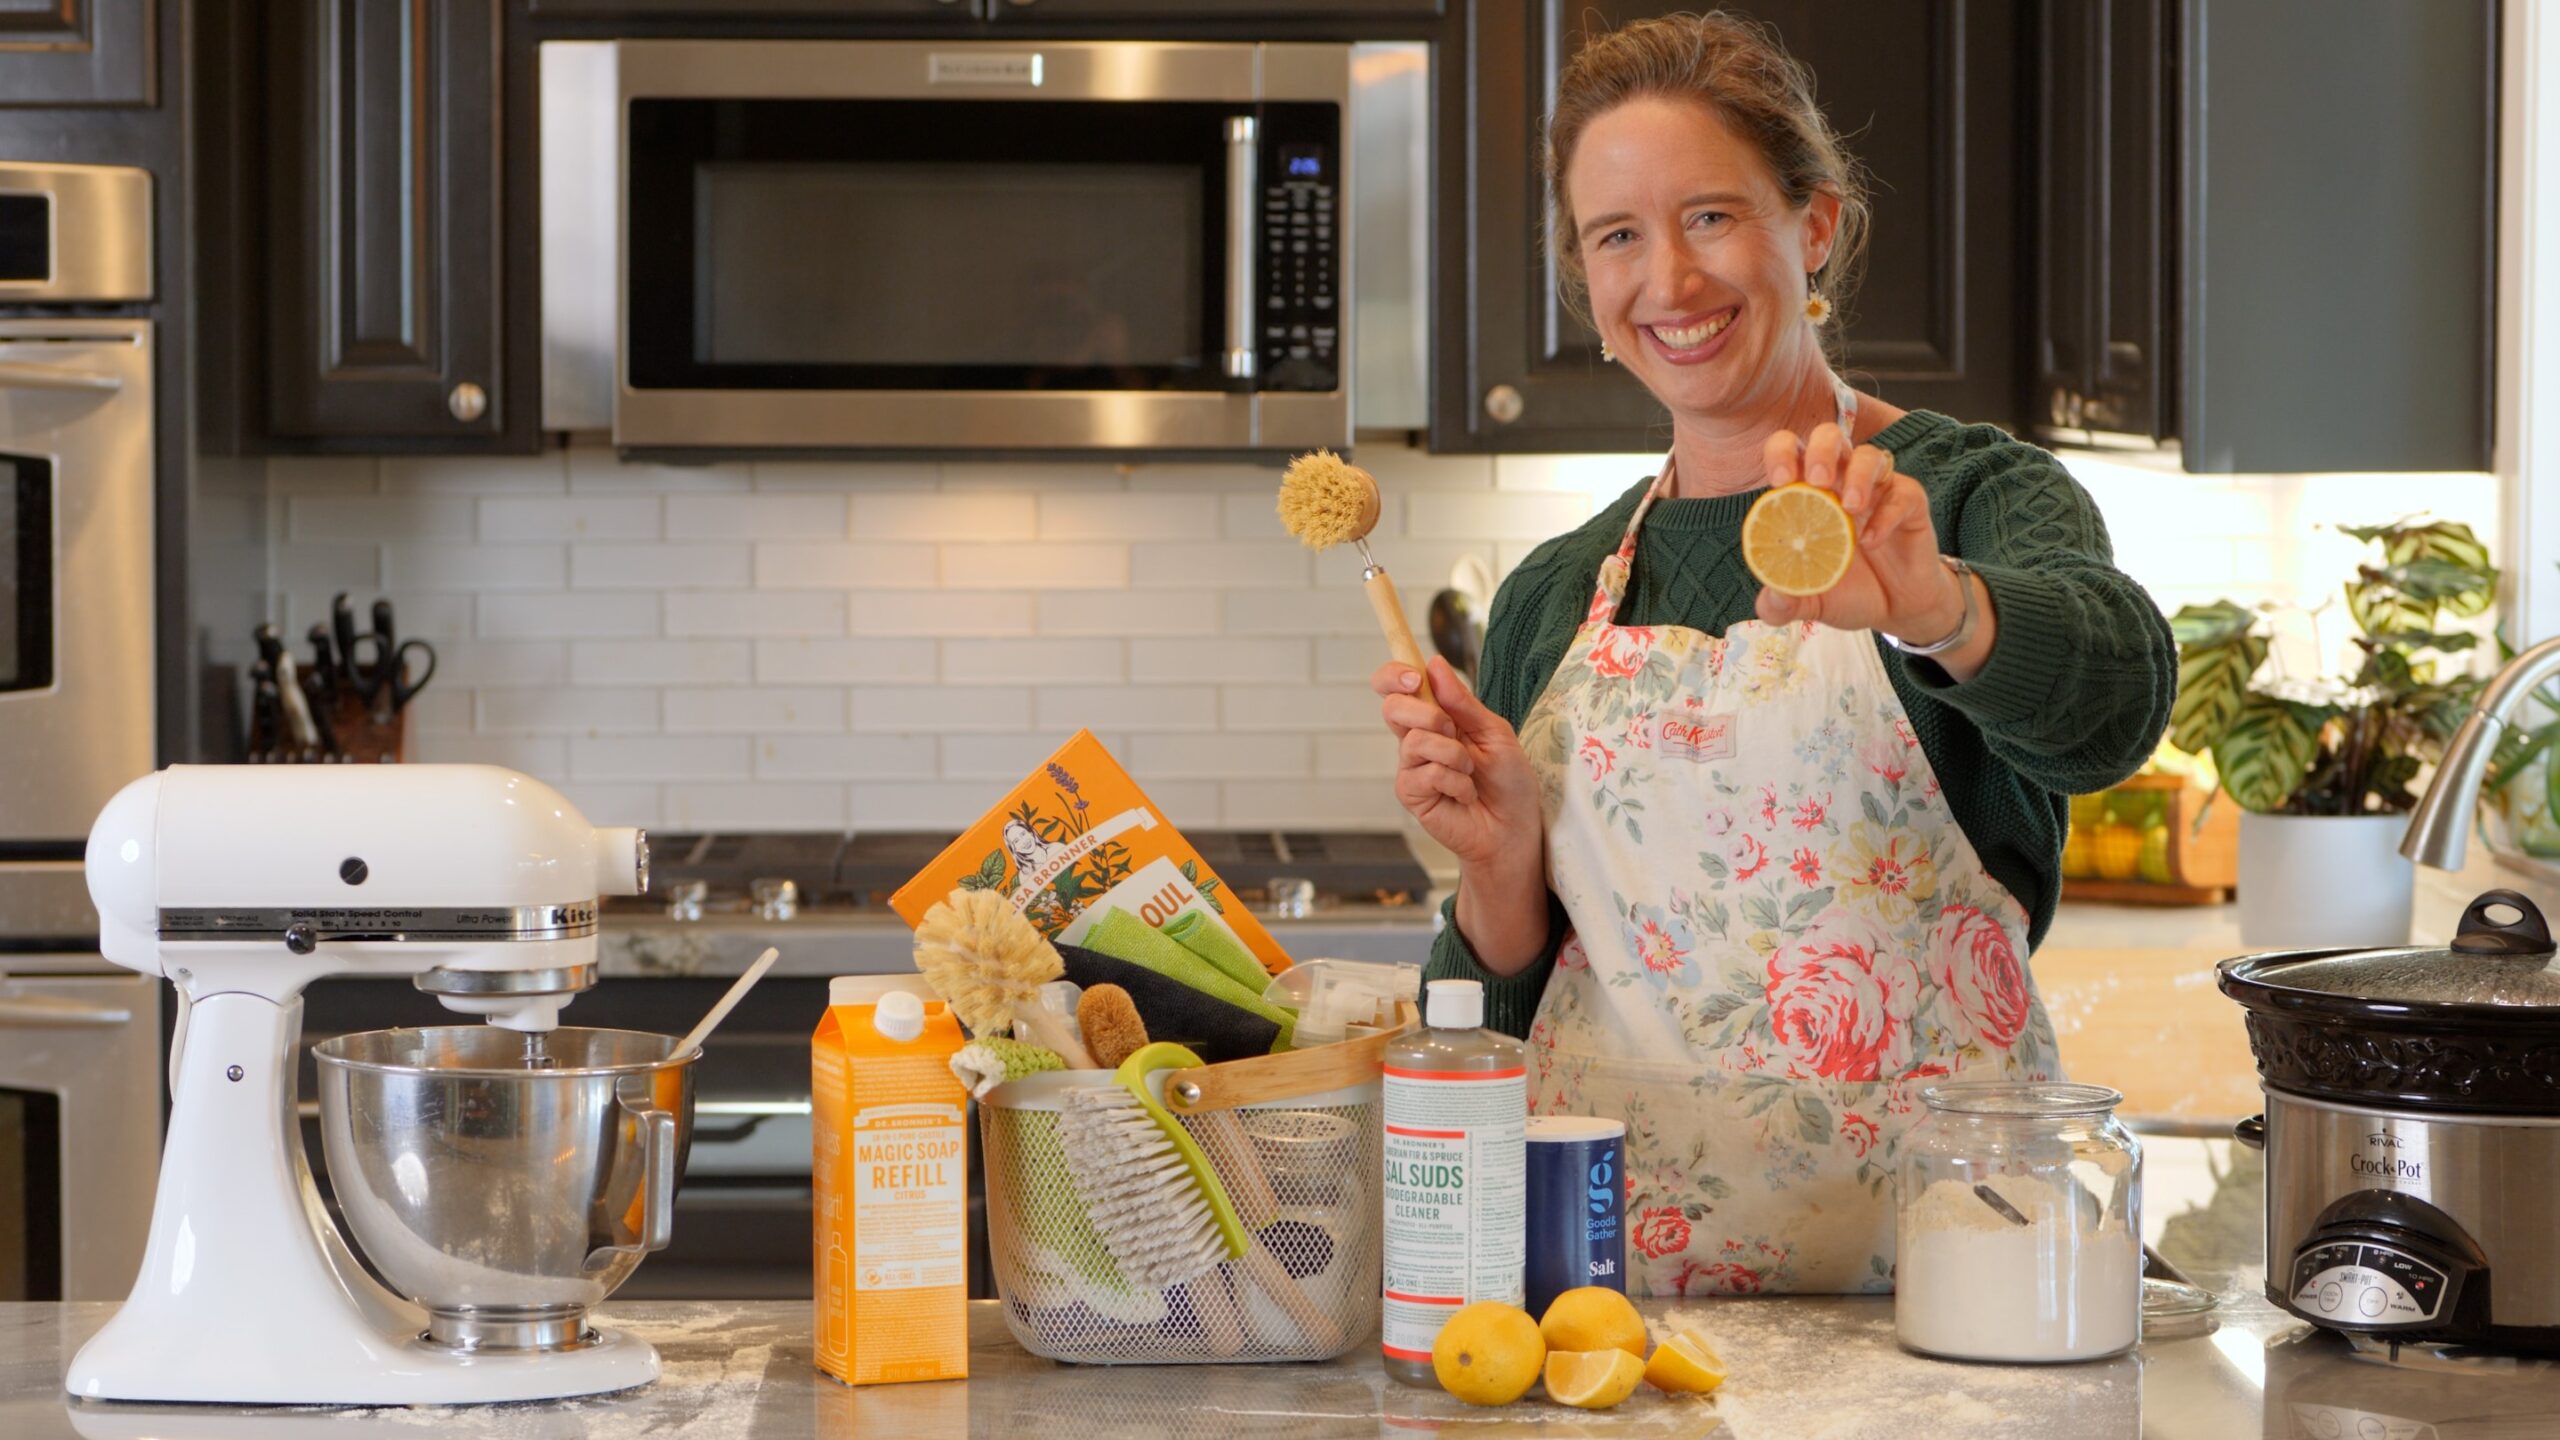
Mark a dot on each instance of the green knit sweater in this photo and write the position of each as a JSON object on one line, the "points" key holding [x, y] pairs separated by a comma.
{"points": [[2073, 698]]}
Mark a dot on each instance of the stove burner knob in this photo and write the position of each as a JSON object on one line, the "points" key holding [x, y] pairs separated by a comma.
{"points": [[685, 897], [774, 899]]}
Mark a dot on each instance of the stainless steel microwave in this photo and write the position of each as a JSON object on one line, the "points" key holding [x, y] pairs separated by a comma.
{"points": [[1117, 246]]}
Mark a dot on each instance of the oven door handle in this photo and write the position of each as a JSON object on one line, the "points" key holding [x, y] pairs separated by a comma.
{"points": [[49, 1013], [1244, 181], [47, 377]]}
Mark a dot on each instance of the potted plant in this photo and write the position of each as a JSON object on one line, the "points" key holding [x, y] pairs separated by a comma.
{"points": [[2324, 768]]}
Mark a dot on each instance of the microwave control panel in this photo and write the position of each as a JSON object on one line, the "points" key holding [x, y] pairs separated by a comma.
{"points": [[1300, 340]]}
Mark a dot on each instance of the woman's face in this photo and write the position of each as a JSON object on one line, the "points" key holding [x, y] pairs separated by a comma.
{"points": [[1697, 264]]}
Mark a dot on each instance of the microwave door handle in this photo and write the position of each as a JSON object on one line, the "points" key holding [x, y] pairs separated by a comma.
{"points": [[1243, 153], [45, 377]]}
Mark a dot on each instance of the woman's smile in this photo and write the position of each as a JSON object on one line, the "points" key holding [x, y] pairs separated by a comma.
{"points": [[1692, 339]]}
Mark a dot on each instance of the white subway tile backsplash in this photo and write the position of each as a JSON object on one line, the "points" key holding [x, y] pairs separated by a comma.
{"points": [[410, 566], [756, 517], [846, 662], [844, 757], [536, 616], [659, 567], [770, 709], [661, 662], [1033, 662], [378, 517], [1046, 565], [820, 643], [1197, 662], [1300, 708], [1128, 612], [1216, 757], [661, 757], [543, 474], [1079, 515], [755, 614], [624, 710], [996, 515], [925, 710], [516, 519], [1133, 708], [799, 805], [842, 565], [1498, 516], [941, 612], [1220, 564]]}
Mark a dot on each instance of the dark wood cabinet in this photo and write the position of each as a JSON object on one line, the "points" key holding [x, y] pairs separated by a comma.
{"points": [[385, 260], [2338, 234], [1068, 11], [2103, 353], [76, 52], [721, 10], [1925, 94]]}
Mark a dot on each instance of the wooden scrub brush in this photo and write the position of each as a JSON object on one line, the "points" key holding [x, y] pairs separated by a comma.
{"points": [[988, 963], [1113, 1029], [1326, 500]]}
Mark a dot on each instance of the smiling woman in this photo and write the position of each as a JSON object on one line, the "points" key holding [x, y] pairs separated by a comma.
{"points": [[1749, 868]]}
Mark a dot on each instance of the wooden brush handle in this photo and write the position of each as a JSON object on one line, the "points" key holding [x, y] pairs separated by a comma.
{"points": [[1033, 1022], [1287, 1075], [1400, 643], [1257, 1206]]}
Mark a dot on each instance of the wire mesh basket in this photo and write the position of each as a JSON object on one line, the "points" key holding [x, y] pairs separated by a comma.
{"points": [[1301, 1169]]}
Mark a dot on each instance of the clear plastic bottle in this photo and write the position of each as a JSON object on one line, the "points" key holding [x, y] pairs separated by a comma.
{"points": [[1457, 1111]]}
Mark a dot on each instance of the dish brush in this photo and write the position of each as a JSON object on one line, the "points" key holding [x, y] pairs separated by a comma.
{"points": [[988, 963], [1161, 1211], [1326, 500], [1113, 1030]]}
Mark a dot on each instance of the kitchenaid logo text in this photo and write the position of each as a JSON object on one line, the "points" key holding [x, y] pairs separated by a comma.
{"points": [[2385, 1162]]}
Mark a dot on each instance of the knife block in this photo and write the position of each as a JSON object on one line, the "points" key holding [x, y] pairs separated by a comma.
{"points": [[360, 736]]}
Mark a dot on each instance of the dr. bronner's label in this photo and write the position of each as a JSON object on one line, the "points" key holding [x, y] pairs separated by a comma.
{"points": [[910, 1197], [1456, 1219], [889, 1162]]}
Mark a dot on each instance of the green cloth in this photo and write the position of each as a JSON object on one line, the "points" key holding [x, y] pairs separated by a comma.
{"points": [[2074, 697], [1204, 935], [1124, 936]]}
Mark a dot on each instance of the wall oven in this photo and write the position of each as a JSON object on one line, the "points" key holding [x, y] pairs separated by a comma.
{"points": [[1097, 246]]}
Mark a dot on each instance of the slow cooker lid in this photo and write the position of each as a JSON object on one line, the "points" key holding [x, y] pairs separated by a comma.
{"points": [[2502, 954]]}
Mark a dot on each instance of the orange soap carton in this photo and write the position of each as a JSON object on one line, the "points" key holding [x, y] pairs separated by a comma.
{"points": [[1076, 840], [890, 1169]]}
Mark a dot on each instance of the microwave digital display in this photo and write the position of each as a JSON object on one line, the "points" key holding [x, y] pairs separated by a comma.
{"points": [[1302, 162]]}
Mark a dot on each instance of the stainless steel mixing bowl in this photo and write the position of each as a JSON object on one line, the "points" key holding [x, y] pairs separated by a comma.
{"points": [[505, 1200]]}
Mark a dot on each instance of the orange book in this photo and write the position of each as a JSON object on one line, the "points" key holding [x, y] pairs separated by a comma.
{"points": [[889, 1165], [1077, 839]]}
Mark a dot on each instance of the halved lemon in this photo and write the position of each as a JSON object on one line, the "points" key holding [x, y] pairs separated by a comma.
{"points": [[1592, 1379], [1798, 540], [1685, 1364]]}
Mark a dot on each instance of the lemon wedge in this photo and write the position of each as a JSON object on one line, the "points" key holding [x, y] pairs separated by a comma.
{"points": [[1592, 1379], [1685, 1364]]}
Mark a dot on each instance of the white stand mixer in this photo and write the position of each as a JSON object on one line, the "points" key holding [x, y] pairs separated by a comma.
{"points": [[242, 885]]}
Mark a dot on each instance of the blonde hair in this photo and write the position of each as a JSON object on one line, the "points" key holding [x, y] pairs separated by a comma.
{"points": [[1738, 68]]}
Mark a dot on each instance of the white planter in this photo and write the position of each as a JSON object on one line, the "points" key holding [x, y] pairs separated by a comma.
{"points": [[2324, 880]]}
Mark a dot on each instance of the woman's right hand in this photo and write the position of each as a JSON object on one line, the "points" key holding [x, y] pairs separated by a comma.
{"points": [[1461, 772]]}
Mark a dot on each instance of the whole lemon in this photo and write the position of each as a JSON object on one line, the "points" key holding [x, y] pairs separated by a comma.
{"points": [[1594, 1317], [1488, 1354]]}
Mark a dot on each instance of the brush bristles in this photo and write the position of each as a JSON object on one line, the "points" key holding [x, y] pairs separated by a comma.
{"points": [[1326, 500], [1139, 1196], [983, 958], [1112, 1028]]}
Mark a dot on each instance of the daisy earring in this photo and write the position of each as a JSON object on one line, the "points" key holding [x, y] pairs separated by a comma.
{"points": [[1816, 309], [1607, 355]]}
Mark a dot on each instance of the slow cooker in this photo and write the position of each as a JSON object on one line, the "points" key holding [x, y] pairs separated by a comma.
{"points": [[2412, 1131]]}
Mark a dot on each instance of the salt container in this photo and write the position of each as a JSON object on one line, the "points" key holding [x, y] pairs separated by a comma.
{"points": [[2020, 1225]]}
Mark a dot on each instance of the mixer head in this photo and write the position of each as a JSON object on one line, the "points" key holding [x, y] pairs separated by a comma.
{"points": [[480, 882]]}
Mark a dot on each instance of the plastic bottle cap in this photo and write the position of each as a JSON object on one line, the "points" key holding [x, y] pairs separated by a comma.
{"points": [[899, 1016], [867, 989], [1455, 1005]]}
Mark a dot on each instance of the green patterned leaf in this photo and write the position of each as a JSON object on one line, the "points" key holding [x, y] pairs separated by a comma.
{"points": [[1714, 865], [2213, 685], [1813, 1118], [2266, 754], [2216, 624]]}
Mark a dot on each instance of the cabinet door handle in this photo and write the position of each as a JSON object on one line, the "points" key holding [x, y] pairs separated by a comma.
{"points": [[468, 402], [1504, 404], [47, 377]]}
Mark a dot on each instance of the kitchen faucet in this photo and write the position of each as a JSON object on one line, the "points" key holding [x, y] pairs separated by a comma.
{"points": [[2441, 825]]}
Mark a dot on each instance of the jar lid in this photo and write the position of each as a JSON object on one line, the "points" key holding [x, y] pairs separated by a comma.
{"points": [[2021, 1100], [2502, 955]]}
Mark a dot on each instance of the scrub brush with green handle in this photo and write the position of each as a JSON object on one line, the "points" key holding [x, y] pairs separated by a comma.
{"points": [[1147, 1190]]}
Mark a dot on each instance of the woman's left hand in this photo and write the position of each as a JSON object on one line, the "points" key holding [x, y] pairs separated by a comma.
{"points": [[1896, 582]]}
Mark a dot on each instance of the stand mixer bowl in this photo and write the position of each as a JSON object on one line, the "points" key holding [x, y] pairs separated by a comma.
{"points": [[505, 1200]]}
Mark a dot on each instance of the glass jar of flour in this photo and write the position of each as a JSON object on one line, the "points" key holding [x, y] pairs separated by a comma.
{"points": [[2020, 1228]]}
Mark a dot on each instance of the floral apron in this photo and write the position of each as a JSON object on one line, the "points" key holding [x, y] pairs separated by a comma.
{"points": [[1780, 935]]}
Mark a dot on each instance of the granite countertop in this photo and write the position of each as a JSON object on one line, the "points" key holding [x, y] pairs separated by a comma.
{"points": [[1802, 1369]]}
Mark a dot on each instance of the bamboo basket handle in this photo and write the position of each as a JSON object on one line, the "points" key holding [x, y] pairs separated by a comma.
{"points": [[1265, 1079]]}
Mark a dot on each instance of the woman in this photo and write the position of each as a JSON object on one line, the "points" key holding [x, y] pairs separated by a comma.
{"points": [[1750, 871]]}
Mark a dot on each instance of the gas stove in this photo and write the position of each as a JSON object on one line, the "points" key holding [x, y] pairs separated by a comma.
{"points": [[768, 875]]}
